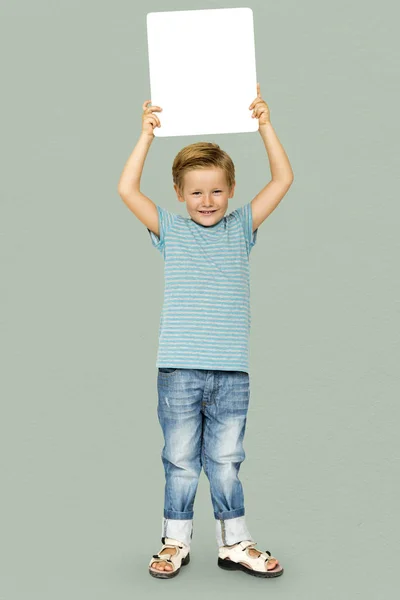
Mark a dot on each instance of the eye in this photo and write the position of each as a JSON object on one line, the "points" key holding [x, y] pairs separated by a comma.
{"points": [[194, 193]]}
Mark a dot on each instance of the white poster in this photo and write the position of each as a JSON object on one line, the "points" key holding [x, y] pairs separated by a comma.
{"points": [[202, 70]]}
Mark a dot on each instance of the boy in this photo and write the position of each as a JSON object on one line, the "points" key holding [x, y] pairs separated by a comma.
{"points": [[203, 379]]}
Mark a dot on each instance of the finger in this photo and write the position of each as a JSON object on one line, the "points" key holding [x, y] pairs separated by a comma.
{"points": [[256, 101], [260, 110], [156, 121], [144, 105]]}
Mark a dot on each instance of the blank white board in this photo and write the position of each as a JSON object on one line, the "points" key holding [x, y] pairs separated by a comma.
{"points": [[202, 70]]}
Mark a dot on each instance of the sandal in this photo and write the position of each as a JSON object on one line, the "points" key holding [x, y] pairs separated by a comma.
{"points": [[231, 558], [181, 557]]}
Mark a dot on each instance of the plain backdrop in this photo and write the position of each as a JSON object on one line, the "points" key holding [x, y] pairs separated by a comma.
{"points": [[81, 479]]}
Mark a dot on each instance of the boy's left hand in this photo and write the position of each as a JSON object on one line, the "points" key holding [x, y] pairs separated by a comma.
{"points": [[260, 108]]}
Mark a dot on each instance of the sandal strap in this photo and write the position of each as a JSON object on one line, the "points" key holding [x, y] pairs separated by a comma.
{"points": [[266, 555], [160, 557], [175, 559], [248, 544], [171, 543]]}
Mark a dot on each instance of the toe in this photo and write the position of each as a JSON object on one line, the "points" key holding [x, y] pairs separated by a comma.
{"points": [[162, 566]]}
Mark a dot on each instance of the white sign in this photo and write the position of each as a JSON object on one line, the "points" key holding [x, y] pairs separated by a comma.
{"points": [[202, 70]]}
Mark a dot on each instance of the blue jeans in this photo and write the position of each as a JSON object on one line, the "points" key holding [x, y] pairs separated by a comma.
{"points": [[203, 414]]}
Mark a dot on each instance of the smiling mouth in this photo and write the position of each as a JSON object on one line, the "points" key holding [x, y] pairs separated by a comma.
{"points": [[207, 212]]}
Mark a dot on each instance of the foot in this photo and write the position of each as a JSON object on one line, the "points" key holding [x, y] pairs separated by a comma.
{"points": [[163, 565], [271, 564]]}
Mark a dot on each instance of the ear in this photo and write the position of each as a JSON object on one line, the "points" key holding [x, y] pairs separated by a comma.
{"points": [[180, 198]]}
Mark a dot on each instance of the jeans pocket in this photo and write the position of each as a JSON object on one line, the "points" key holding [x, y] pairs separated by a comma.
{"points": [[167, 370]]}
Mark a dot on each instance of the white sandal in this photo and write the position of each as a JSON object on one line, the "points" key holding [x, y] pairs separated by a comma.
{"points": [[181, 557], [231, 558]]}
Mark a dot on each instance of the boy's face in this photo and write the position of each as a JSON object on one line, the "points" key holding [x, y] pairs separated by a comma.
{"points": [[205, 189]]}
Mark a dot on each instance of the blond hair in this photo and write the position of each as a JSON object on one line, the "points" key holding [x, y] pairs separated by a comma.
{"points": [[202, 155]]}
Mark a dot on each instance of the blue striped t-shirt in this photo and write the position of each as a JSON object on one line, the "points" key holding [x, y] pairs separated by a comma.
{"points": [[205, 319]]}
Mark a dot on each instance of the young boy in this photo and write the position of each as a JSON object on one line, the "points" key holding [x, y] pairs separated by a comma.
{"points": [[203, 354]]}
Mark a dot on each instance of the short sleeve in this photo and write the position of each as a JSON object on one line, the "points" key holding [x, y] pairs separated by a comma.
{"points": [[165, 222], [244, 214]]}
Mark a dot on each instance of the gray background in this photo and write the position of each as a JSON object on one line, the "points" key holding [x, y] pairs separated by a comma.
{"points": [[82, 480]]}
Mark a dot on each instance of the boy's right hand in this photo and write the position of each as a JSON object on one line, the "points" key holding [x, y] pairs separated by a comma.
{"points": [[149, 121]]}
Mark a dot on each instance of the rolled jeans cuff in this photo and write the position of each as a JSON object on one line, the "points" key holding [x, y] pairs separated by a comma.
{"points": [[178, 529], [231, 531]]}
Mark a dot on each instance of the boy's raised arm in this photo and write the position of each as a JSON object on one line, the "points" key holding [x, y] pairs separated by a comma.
{"points": [[129, 183]]}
